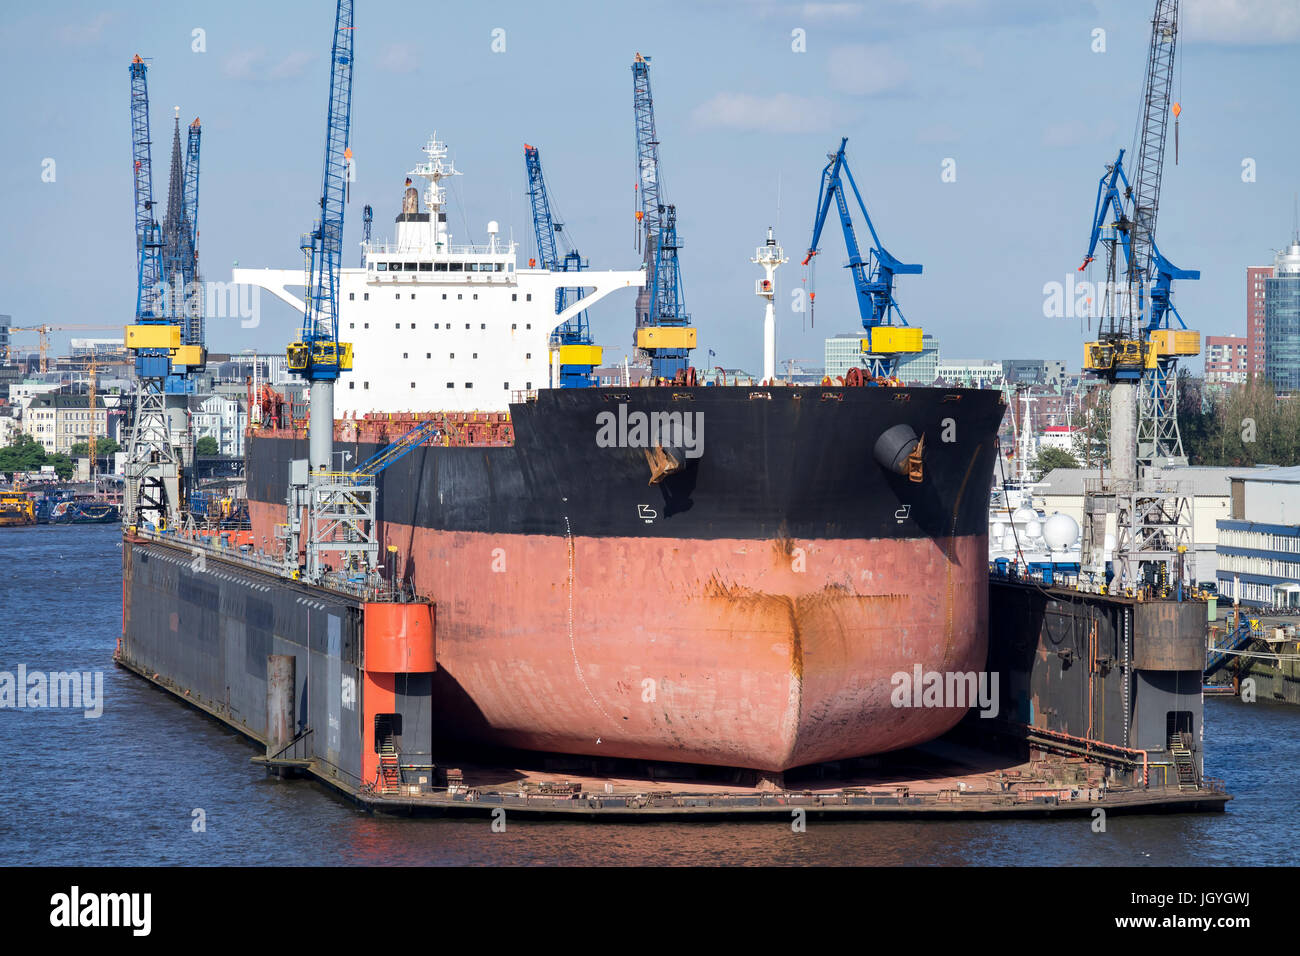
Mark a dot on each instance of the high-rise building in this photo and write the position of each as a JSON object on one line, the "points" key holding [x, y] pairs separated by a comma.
{"points": [[1227, 359], [1255, 277], [921, 368], [5, 322], [843, 352], [1282, 320]]}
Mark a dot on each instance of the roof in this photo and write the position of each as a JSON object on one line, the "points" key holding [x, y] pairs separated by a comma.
{"points": [[1281, 476], [1200, 480], [64, 400]]}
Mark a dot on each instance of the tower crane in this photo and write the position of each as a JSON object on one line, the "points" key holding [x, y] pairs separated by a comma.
{"points": [[888, 334], [663, 331], [1138, 346], [571, 345]]}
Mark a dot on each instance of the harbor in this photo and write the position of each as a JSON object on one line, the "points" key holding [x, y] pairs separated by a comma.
{"points": [[420, 522]]}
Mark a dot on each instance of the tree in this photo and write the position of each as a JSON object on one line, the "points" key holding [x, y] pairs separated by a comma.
{"points": [[1050, 458], [62, 465], [206, 446], [104, 447], [25, 454]]}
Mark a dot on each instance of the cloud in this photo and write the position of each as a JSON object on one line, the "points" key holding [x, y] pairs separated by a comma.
{"points": [[1242, 22], [865, 69], [399, 58], [85, 32], [780, 113], [256, 65]]}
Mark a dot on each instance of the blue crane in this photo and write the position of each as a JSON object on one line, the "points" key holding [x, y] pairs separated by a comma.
{"points": [[152, 360], [577, 356], [873, 276], [318, 356], [1136, 340], [663, 330], [195, 313]]}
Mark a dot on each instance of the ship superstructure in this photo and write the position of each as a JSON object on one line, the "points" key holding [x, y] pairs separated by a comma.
{"points": [[436, 324]]}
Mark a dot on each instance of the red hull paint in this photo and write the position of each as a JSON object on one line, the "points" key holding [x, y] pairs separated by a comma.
{"points": [[702, 651]]}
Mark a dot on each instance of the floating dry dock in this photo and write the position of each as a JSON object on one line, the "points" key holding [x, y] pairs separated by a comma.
{"points": [[336, 686]]}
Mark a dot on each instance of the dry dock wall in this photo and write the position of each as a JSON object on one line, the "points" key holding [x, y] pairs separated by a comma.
{"points": [[1113, 669], [204, 629]]}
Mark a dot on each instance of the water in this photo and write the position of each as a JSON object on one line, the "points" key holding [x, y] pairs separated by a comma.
{"points": [[123, 788]]}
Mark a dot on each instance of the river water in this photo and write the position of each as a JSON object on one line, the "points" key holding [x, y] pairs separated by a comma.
{"points": [[127, 787]]}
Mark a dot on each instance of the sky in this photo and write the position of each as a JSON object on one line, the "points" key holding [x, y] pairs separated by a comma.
{"points": [[1021, 103]]}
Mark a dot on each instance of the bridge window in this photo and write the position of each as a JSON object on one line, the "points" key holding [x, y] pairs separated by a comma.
{"points": [[352, 296], [514, 296], [394, 267], [405, 355], [456, 266], [451, 384], [381, 266], [410, 267], [426, 266], [440, 267], [528, 297], [366, 296], [469, 384], [365, 385], [501, 266], [352, 384], [412, 385], [506, 386]]}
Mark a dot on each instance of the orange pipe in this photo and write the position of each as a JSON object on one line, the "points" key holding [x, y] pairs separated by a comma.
{"points": [[1100, 744]]}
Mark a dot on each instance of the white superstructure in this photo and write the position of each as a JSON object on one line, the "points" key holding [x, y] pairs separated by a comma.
{"points": [[437, 326]]}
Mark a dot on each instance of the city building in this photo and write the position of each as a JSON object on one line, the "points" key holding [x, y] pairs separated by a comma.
{"points": [[1255, 278], [1227, 359], [1259, 542], [1050, 372], [1061, 437], [59, 420], [222, 417], [1282, 320], [1210, 488], [5, 323], [972, 373], [921, 368], [843, 352]]}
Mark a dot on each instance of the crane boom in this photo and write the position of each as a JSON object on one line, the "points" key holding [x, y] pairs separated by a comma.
{"points": [[318, 356], [873, 276], [572, 340], [663, 332], [1155, 127]]}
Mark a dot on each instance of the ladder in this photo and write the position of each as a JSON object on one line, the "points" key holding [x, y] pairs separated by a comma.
{"points": [[390, 772], [1180, 748]]}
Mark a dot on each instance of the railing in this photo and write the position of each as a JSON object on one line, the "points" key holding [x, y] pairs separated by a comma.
{"points": [[503, 248], [1218, 655]]}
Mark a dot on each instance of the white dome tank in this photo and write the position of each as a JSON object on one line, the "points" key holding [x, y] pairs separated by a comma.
{"points": [[1060, 532]]}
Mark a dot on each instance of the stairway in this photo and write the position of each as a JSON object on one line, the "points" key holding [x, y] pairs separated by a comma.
{"points": [[1180, 748], [390, 773]]}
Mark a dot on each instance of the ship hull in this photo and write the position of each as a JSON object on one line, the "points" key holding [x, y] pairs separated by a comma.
{"points": [[752, 610]]}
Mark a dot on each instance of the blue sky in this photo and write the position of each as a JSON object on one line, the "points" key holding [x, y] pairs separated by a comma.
{"points": [[1011, 91]]}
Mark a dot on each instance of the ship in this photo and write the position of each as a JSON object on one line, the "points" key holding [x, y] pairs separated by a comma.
{"points": [[16, 509], [729, 575]]}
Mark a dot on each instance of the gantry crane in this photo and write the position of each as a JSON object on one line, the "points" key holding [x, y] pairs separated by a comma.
{"points": [[663, 327], [153, 465], [1137, 348], [571, 345], [318, 356], [888, 335]]}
